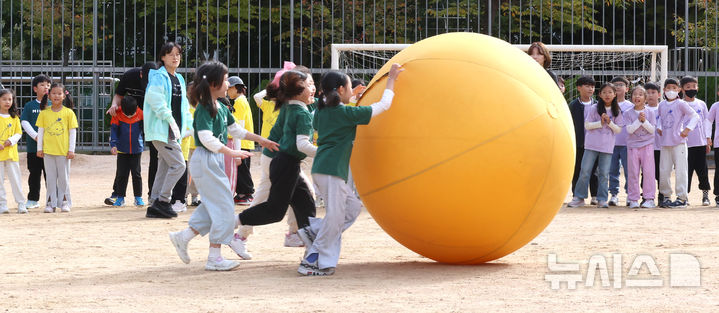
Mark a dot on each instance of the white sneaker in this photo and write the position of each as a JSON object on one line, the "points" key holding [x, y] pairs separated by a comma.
{"points": [[649, 204], [65, 207], [613, 201], [179, 207], [21, 208], [633, 204], [180, 246], [238, 245], [220, 264], [3, 210], [32, 204], [49, 209], [312, 269], [293, 240], [593, 201], [575, 203]]}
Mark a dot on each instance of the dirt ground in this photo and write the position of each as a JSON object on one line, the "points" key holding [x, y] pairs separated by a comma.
{"points": [[103, 259]]}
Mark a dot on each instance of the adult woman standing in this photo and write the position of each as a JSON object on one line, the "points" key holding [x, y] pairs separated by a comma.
{"points": [[167, 118], [538, 51]]}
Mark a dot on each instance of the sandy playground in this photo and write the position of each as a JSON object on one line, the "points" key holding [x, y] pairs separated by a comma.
{"points": [[103, 259]]}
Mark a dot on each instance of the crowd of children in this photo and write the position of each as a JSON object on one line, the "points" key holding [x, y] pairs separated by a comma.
{"points": [[656, 138], [203, 136]]}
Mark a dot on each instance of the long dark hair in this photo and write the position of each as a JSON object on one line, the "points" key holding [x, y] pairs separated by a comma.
{"points": [[601, 104], [330, 82], [67, 102], [167, 49], [13, 107], [291, 84], [210, 73]]}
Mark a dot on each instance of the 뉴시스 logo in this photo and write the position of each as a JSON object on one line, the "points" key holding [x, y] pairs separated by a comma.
{"points": [[684, 271]]}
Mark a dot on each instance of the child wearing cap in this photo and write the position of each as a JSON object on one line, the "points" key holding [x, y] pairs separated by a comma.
{"points": [[244, 187]]}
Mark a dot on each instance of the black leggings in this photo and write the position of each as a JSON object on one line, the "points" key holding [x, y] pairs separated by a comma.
{"points": [[128, 164], [152, 170], [697, 162], [244, 185], [287, 189]]}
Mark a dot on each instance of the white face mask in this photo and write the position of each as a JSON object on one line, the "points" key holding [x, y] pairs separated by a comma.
{"points": [[671, 94]]}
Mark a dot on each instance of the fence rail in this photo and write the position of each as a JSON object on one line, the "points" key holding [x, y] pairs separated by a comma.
{"points": [[87, 42]]}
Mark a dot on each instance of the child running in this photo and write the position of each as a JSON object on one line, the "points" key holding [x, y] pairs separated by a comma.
{"points": [[287, 187], [57, 132], [10, 133], [263, 187], [603, 122], [212, 123], [641, 123], [336, 125]]}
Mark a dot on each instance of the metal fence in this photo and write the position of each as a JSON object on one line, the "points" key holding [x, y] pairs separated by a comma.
{"points": [[87, 43]]}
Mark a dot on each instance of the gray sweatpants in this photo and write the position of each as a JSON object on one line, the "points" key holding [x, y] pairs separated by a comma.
{"points": [[216, 214], [170, 168], [342, 207], [11, 169], [57, 171]]}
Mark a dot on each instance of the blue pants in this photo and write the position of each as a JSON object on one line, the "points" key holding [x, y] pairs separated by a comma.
{"points": [[620, 154], [216, 214], [591, 156]]}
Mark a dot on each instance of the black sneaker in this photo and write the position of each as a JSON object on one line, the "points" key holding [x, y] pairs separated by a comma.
{"points": [[665, 203], [195, 202], [111, 200], [679, 203], [160, 209]]}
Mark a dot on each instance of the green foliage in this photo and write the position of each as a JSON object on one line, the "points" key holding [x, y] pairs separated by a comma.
{"points": [[702, 32], [59, 25]]}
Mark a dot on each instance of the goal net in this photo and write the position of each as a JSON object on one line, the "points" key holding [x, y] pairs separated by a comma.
{"points": [[639, 64]]}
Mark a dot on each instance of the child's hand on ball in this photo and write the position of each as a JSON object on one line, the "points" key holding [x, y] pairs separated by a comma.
{"points": [[395, 70]]}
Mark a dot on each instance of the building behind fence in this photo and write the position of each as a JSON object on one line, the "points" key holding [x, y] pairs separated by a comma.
{"points": [[88, 44]]}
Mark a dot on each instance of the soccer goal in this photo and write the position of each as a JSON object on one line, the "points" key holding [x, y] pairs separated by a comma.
{"points": [[639, 64]]}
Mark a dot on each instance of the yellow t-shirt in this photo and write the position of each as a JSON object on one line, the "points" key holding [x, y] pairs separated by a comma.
{"points": [[185, 146], [192, 142], [9, 126], [269, 116], [243, 113], [57, 125]]}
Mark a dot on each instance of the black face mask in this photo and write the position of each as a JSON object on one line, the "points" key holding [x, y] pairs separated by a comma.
{"points": [[691, 93]]}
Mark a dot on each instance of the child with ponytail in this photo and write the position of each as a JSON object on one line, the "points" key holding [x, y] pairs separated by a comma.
{"points": [[212, 124], [336, 125]]}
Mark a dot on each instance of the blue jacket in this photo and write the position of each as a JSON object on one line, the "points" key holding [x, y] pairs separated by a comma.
{"points": [[126, 132], [158, 106]]}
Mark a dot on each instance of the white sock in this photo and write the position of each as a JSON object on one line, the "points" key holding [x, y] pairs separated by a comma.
{"points": [[214, 254], [187, 234]]}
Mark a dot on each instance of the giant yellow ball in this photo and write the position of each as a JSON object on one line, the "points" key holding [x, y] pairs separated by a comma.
{"points": [[475, 156]]}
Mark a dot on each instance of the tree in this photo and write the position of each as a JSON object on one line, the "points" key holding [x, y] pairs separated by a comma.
{"points": [[58, 28]]}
